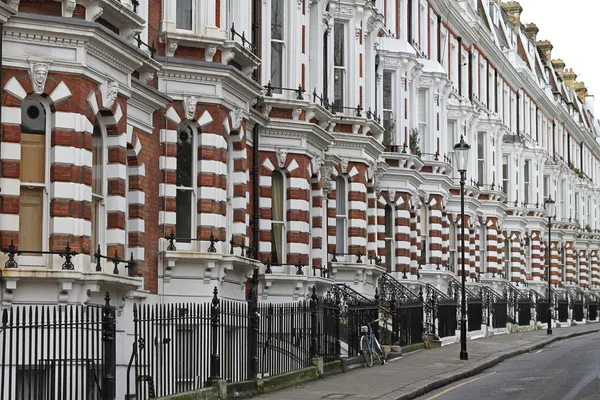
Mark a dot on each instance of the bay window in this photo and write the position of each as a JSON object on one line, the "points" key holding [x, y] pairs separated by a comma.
{"points": [[184, 14], [339, 66], [277, 43]]}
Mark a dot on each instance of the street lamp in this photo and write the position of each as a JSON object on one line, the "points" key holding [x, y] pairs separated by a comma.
{"points": [[461, 150], [550, 209]]}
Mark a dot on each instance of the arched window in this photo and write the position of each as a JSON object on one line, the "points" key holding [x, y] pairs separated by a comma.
{"points": [[390, 260], [32, 201], [185, 204], [341, 214], [98, 190], [278, 230]]}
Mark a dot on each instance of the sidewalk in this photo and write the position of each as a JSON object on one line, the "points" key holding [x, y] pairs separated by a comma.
{"points": [[426, 370]]}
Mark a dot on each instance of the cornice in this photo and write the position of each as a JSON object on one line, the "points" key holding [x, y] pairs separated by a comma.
{"points": [[368, 144]]}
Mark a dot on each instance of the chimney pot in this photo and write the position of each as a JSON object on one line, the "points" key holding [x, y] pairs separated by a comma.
{"points": [[531, 30], [545, 50], [559, 67], [513, 9]]}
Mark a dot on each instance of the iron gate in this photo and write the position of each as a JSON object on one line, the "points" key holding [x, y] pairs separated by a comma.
{"points": [[411, 323], [563, 310], [578, 311], [446, 315], [474, 313], [542, 310], [500, 314], [525, 312], [592, 312]]}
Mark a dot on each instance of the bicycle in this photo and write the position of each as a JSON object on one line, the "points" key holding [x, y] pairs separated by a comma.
{"points": [[370, 345]]}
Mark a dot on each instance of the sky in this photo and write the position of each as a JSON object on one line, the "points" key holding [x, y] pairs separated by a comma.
{"points": [[572, 27]]}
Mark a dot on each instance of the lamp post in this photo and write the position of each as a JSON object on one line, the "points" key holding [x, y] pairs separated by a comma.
{"points": [[550, 209], [461, 150]]}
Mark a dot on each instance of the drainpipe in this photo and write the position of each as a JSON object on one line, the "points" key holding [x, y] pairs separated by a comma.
{"points": [[255, 189], [459, 66]]}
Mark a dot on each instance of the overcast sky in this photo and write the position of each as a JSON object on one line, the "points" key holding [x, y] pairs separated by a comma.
{"points": [[572, 27]]}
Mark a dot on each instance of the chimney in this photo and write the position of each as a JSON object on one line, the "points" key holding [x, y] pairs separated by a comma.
{"points": [[513, 9], [569, 78], [531, 30], [559, 67], [545, 49], [581, 91]]}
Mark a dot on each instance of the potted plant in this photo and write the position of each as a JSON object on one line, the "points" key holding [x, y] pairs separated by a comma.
{"points": [[414, 141]]}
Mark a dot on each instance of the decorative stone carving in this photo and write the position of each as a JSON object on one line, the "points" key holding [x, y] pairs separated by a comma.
{"points": [[210, 53], [296, 113], [68, 6], [172, 46], [237, 117], [39, 74], [14, 4], [317, 163], [112, 92], [94, 12], [281, 157], [190, 107], [147, 76], [344, 165], [327, 171], [392, 195]]}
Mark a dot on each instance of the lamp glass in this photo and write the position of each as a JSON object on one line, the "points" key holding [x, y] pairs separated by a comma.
{"points": [[461, 150], [550, 207]]}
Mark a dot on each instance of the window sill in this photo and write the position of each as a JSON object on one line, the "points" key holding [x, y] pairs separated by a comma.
{"points": [[121, 15], [216, 265], [176, 37]]}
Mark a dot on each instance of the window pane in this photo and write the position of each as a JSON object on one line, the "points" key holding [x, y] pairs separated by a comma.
{"points": [[340, 234], [278, 231], [184, 214], [30, 218], [276, 19], [97, 161], [389, 222], [387, 90], [277, 196], [276, 65], [338, 90], [422, 106], [338, 50], [184, 157], [340, 196], [183, 18]]}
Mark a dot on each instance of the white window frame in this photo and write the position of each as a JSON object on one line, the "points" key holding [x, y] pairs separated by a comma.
{"points": [[342, 69], [422, 119], [452, 245], [424, 227], [389, 133], [481, 158], [99, 201], [483, 264], [193, 189], [193, 27], [506, 177], [507, 258], [341, 220], [390, 240], [283, 48], [283, 223], [527, 181]]}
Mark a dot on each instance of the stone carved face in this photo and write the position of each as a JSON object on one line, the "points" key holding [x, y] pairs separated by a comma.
{"points": [[281, 157], [190, 106], [113, 92], [344, 165], [40, 74], [236, 121]]}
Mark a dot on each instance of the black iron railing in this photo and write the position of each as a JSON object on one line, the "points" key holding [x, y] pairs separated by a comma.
{"points": [[299, 91], [359, 255], [374, 258], [246, 251], [12, 252], [324, 270], [211, 248], [58, 352], [298, 267], [185, 346], [129, 264], [371, 115], [245, 42], [338, 109], [151, 48], [322, 100]]}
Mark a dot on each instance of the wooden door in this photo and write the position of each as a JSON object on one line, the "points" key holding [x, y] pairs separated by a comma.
{"points": [[31, 215], [33, 157]]}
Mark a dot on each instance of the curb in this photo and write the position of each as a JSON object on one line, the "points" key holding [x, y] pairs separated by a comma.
{"points": [[424, 386]]}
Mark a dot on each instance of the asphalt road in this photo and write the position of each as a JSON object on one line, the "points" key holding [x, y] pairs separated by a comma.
{"points": [[568, 369]]}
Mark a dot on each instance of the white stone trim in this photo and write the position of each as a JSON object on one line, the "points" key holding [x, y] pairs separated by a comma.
{"points": [[11, 151], [135, 225], [70, 191], [11, 115], [9, 222], [168, 136], [115, 236], [167, 218], [136, 197], [70, 155], [167, 190], [14, 87], [60, 93]]}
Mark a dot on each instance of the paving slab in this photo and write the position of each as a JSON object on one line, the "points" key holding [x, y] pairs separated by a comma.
{"points": [[426, 370]]}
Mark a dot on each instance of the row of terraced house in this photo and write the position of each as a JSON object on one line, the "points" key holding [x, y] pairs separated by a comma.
{"points": [[157, 149]]}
